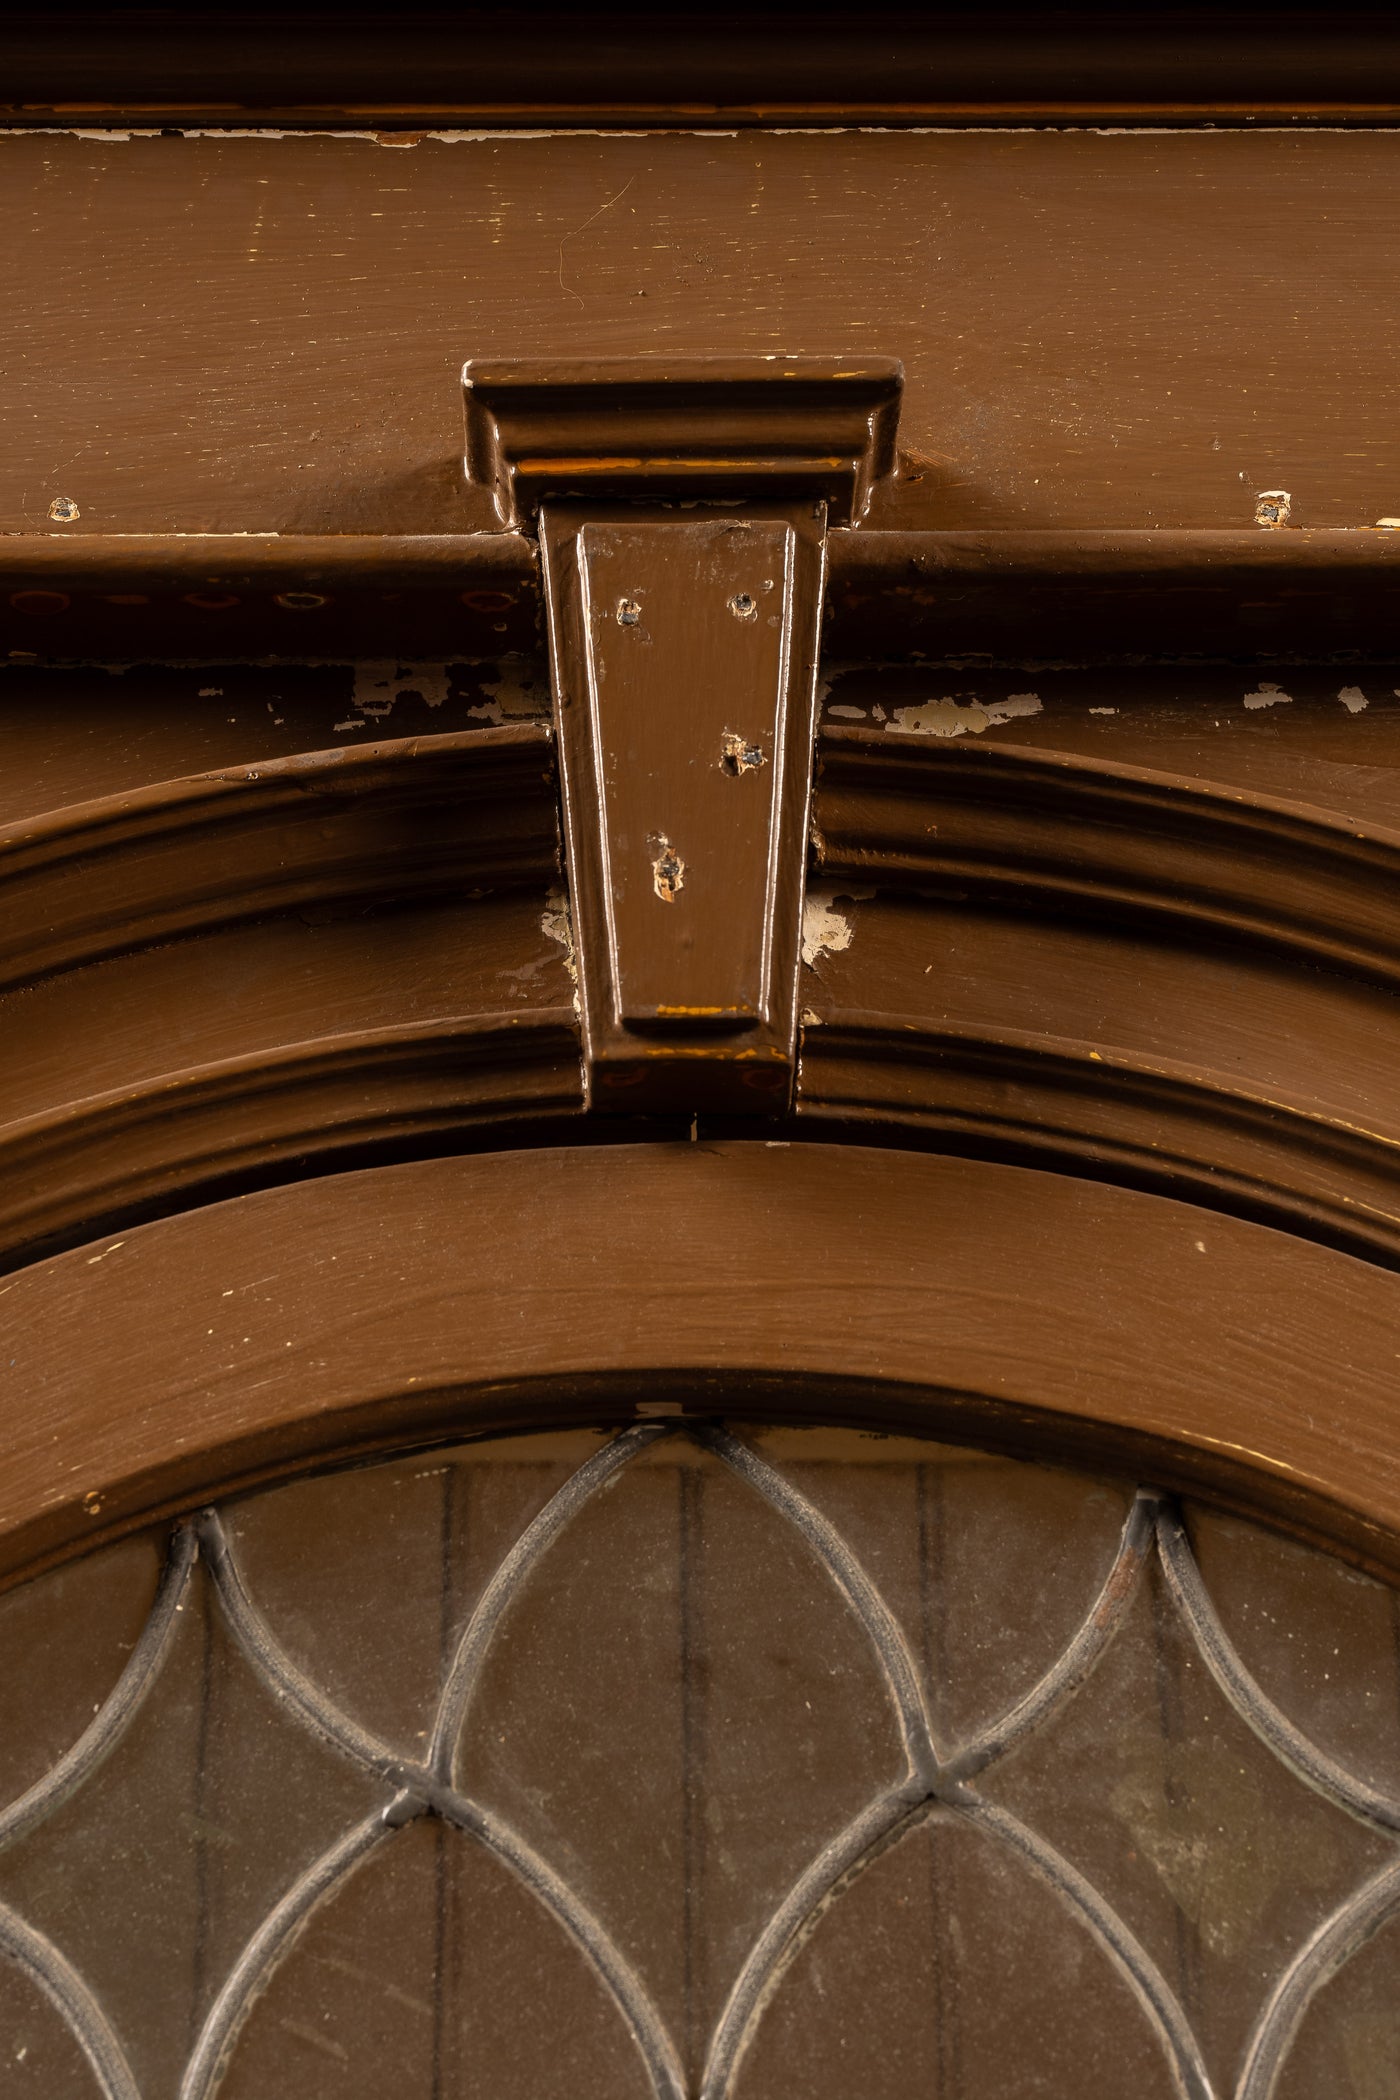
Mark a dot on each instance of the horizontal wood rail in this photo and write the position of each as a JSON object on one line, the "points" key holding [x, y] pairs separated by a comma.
{"points": [[1080, 597]]}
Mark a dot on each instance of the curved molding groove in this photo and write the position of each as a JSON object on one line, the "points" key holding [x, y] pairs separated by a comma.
{"points": [[343, 828], [994, 1304], [1116, 841], [123, 1154], [1154, 1124]]}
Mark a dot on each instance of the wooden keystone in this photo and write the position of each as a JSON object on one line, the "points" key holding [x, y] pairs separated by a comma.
{"points": [[682, 510]]}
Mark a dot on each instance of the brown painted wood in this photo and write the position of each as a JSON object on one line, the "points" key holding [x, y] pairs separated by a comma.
{"points": [[685, 656], [989, 1303], [1100, 332], [324, 830], [1165, 979], [683, 646], [1083, 597]]}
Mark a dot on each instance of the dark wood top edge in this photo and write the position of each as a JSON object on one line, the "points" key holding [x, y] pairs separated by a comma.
{"points": [[476, 61], [423, 120], [461, 1295]]}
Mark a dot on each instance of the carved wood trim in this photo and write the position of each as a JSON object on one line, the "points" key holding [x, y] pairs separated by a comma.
{"points": [[409, 817], [683, 510]]}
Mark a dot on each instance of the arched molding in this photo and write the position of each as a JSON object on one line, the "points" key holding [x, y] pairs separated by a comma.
{"points": [[1259, 934], [993, 1304]]}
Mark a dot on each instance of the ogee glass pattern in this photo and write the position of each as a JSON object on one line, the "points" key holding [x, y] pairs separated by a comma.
{"points": [[700, 1762]]}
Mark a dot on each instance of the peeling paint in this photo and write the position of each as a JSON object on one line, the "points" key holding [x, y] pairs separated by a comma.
{"points": [[952, 717], [847, 714], [1352, 699], [826, 931], [556, 924], [1268, 695], [379, 684]]}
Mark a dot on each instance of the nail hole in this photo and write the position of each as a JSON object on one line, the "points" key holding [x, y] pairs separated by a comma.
{"points": [[64, 511], [738, 755], [743, 606], [209, 602], [300, 601], [667, 871], [628, 612]]}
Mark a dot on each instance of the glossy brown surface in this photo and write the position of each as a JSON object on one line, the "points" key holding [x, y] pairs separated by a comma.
{"points": [[684, 657], [646, 1717], [514, 1288]]}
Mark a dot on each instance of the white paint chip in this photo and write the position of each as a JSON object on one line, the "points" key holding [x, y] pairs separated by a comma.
{"points": [[1268, 695], [952, 717], [1352, 699], [557, 924], [1103, 710], [825, 930], [379, 685]]}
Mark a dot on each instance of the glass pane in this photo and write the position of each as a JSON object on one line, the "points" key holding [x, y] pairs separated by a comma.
{"points": [[735, 1761]]}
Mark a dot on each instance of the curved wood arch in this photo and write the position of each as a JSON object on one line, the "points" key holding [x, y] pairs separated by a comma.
{"points": [[994, 1304], [1240, 952]]}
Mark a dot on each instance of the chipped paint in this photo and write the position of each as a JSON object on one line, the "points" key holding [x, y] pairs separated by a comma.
{"points": [[953, 717], [739, 754], [1268, 695], [825, 930], [667, 870], [1352, 699], [381, 683], [1272, 508], [557, 924]]}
